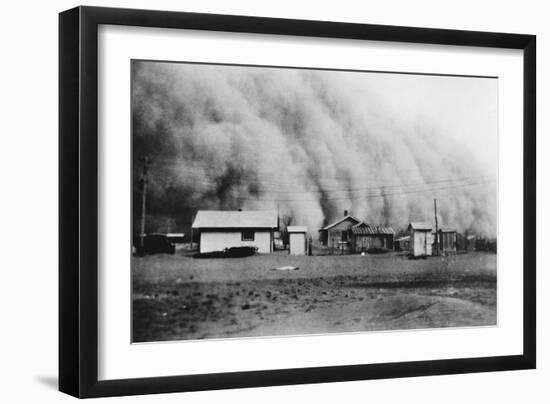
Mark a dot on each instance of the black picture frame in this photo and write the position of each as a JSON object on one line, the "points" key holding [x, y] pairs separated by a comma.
{"points": [[78, 200]]}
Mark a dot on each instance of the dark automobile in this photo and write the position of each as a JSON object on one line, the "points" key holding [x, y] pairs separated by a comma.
{"points": [[378, 250], [156, 243], [232, 252]]}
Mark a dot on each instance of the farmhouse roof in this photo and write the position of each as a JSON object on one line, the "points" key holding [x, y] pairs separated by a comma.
{"points": [[219, 219], [420, 226], [297, 229], [340, 221], [363, 228]]}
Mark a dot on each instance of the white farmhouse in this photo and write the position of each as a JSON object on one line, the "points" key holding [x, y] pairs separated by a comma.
{"points": [[221, 229]]}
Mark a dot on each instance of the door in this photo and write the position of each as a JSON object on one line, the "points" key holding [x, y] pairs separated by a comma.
{"points": [[421, 243], [297, 243]]}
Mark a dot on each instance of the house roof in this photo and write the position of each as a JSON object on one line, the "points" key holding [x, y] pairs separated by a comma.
{"points": [[363, 228], [340, 221], [420, 226], [297, 229], [235, 219]]}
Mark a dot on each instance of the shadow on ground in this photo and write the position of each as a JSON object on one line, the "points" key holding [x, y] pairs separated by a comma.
{"points": [[48, 381]]}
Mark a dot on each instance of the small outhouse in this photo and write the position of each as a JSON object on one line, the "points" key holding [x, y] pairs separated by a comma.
{"points": [[421, 239], [297, 240]]}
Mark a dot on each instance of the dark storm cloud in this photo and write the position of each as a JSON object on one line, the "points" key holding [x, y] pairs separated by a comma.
{"points": [[311, 142]]}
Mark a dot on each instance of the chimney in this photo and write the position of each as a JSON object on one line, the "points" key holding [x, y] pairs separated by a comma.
{"points": [[345, 213]]}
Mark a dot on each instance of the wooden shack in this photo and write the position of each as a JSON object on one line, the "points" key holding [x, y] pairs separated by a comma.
{"points": [[486, 244], [465, 242], [421, 239], [402, 243], [447, 241], [368, 238], [470, 242]]}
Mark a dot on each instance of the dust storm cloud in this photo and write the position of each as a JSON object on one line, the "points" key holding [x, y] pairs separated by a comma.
{"points": [[311, 144]]}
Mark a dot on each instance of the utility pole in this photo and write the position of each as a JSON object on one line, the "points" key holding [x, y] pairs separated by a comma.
{"points": [[436, 229], [146, 163], [192, 220]]}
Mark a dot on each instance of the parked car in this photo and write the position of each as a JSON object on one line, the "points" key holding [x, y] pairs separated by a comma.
{"points": [[156, 243], [231, 252]]}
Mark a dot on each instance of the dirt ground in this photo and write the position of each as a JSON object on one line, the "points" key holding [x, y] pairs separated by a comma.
{"points": [[180, 298]]}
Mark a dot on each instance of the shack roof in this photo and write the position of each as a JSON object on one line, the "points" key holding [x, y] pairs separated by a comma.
{"points": [[348, 217], [447, 229], [365, 229], [420, 226], [223, 219], [297, 229]]}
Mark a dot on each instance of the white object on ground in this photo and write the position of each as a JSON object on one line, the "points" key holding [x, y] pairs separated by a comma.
{"points": [[286, 268]]}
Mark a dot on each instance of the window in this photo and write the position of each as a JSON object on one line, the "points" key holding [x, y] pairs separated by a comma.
{"points": [[247, 235], [345, 235]]}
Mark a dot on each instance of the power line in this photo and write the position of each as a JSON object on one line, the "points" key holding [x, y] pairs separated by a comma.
{"points": [[269, 177], [374, 188], [369, 196], [368, 192], [319, 185]]}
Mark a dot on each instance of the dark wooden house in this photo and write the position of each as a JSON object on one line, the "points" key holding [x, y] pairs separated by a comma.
{"points": [[447, 241], [368, 238], [338, 235]]}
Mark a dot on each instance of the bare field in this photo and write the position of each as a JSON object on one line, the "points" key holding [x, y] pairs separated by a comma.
{"points": [[180, 298]]}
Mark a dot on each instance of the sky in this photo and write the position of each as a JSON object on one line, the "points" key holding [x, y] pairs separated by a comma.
{"points": [[463, 108]]}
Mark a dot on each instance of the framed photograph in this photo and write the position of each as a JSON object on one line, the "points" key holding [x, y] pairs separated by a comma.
{"points": [[250, 201]]}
